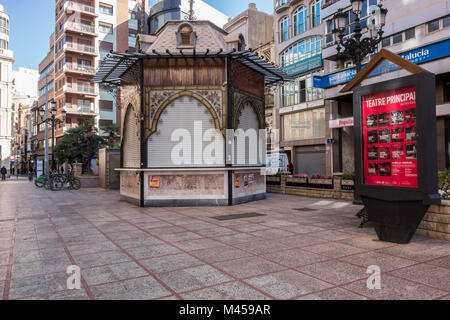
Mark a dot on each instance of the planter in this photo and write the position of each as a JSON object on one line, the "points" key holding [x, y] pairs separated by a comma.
{"points": [[297, 182], [321, 183], [348, 185], [273, 181], [89, 181]]}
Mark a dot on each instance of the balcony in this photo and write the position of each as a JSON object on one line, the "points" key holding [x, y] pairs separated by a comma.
{"points": [[80, 7], [79, 69], [131, 41], [133, 24], [80, 48], [80, 89], [281, 5], [84, 29], [7, 54], [82, 110]]}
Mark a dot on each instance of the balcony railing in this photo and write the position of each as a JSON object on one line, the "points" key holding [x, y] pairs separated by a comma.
{"points": [[292, 97], [281, 5], [82, 48], [80, 27], [80, 89], [76, 6], [80, 109], [294, 30], [71, 67]]}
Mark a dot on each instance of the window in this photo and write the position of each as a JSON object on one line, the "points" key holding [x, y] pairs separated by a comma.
{"points": [[329, 31], [105, 105], [284, 29], [300, 20], [105, 9], [446, 21], [315, 13], [300, 90], [103, 123], [397, 38], [186, 36], [108, 29], [302, 125], [132, 15], [302, 50], [410, 34], [433, 25], [4, 44], [386, 42], [106, 46]]}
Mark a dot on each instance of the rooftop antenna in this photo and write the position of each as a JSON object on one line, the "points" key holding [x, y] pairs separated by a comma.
{"points": [[191, 10]]}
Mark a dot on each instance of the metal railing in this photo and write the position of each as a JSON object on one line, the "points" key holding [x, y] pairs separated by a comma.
{"points": [[80, 27], [80, 89], [295, 30], [80, 47], [71, 67], [80, 7], [292, 97]]}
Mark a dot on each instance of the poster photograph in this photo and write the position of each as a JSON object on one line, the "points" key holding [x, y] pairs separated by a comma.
{"points": [[390, 154], [383, 119], [373, 153]]}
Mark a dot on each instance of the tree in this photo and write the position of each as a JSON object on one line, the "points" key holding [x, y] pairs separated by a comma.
{"points": [[79, 144], [112, 133]]}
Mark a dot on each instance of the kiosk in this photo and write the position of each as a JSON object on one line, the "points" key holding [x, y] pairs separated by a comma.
{"points": [[186, 97], [395, 147]]}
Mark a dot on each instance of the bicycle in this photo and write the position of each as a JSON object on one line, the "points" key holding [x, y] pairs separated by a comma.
{"points": [[72, 182]]}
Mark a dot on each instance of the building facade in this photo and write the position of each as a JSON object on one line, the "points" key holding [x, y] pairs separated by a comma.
{"points": [[299, 112], [24, 96], [256, 31], [420, 33], [6, 113], [166, 10], [85, 32]]}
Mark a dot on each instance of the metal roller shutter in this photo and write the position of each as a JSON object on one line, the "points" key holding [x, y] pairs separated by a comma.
{"points": [[132, 153], [247, 120], [181, 114]]}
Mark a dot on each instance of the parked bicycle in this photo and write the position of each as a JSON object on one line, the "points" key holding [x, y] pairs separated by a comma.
{"points": [[69, 181], [54, 181]]}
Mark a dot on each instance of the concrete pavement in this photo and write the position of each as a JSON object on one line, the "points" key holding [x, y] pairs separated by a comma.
{"points": [[296, 248]]}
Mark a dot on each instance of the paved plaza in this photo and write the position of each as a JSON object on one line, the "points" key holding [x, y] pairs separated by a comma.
{"points": [[299, 248]]}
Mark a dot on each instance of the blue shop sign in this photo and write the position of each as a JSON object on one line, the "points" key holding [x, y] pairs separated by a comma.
{"points": [[304, 65], [419, 55]]}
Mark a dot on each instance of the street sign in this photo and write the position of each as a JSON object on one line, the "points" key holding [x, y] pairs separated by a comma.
{"points": [[12, 158]]}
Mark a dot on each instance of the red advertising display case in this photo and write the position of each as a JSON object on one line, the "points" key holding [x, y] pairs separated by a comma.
{"points": [[395, 153], [389, 135]]}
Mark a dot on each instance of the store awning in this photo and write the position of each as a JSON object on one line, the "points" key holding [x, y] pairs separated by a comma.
{"points": [[116, 64]]}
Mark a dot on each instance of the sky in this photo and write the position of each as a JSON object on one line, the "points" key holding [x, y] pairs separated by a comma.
{"points": [[32, 22]]}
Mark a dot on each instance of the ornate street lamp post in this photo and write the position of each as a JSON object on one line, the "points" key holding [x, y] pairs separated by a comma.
{"points": [[54, 121], [353, 47]]}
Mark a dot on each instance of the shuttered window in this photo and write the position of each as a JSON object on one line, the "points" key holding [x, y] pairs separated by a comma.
{"points": [[131, 151], [189, 116], [248, 153]]}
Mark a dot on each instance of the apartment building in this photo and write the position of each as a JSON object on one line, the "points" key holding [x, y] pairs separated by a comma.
{"points": [[299, 111], [85, 32], [166, 10], [254, 30], [418, 31], [24, 95], [6, 114]]}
